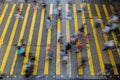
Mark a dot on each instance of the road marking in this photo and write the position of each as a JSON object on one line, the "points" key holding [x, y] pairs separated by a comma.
{"points": [[96, 41], [58, 49], [3, 13], [46, 68], [92, 72], [7, 24], [39, 42], [80, 70], [106, 39], [10, 43], [21, 37], [29, 42], [68, 40]]}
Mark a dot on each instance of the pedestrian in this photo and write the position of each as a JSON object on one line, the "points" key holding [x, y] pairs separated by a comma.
{"points": [[23, 43], [60, 38], [82, 62], [107, 29], [44, 5], [81, 30], [62, 53], [65, 59], [26, 1], [109, 45], [97, 22], [21, 50], [74, 39], [18, 14], [84, 4], [35, 5], [114, 27], [31, 57], [113, 18], [79, 47], [59, 11], [18, 10], [29, 69], [68, 47], [69, 13], [108, 70], [57, 2], [48, 22], [48, 48], [50, 56], [86, 37], [79, 10]]}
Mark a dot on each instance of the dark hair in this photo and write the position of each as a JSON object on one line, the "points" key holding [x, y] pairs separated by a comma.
{"points": [[19, 47], [62, 50], [48, 17]]}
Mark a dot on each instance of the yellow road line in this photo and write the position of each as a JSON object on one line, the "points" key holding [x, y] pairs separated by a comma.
{"points": [[21, 36], [7, 24], [112, 9], [106, 39], [10, 43], [68, 40], [80, 70], [3, 13], [39, 42], [29, 41], [58, 49], [92, 72], [96, 41], [46, 68], [113, 33]]}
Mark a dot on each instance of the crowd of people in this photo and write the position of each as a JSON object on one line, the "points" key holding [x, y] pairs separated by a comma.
{"points": [[112, 26], [75, 39], [21, 50]]}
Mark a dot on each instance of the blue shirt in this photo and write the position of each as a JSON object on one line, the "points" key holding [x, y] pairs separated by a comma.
{"points": [[21, 50]]}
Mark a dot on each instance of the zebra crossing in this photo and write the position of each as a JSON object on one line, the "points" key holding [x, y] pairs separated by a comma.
{"points": [[32, 28]]}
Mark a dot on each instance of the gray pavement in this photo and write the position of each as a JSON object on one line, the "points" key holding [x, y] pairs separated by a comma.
{"points": [[52, 66]]}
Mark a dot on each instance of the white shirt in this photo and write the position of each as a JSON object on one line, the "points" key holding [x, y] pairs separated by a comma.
{"points": [[65, 58], [109, 43], [55, 11], [114, 18], [97, 20], [114, 26], [47, 23], [106, 29], [60, 35], [62, 53]]}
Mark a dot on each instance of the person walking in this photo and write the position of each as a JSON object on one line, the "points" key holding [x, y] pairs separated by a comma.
{"points": [[35, 5], [21, 51], [97, 22], [18, 14], [26, 1], [48, 22], [68, 47], [109, 45]]}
